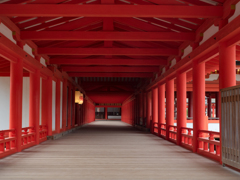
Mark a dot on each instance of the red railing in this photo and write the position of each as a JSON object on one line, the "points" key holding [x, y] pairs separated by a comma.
{"points": [[42, 133], [173, 133], [28, 137], [163, 130], [7, 142], [155, 128], [187, 137], [207, 145]]}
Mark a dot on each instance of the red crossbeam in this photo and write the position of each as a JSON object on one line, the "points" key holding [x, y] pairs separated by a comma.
{"points": [[109, 51], [107, 36], [109, 62], [109, 69], [137, 75], [67, 10]]}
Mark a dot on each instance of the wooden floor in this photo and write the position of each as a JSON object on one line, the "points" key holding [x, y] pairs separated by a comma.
{"points": [[111, 150]]}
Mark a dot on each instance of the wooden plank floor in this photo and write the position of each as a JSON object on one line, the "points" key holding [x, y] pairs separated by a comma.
{"points": [[111, 150]]}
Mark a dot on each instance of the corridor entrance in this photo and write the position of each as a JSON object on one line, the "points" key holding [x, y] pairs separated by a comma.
{"points": [[111, 150]]}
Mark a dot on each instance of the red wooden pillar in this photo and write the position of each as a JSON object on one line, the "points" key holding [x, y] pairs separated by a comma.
{"points": [[169, 105], [227, 66], [149, 112], [190, 104], [144, 109], [16, 86], [58, 106], [106, 113], [209, 102], [161, 107], [34, 103], [181, 105], [198, 101], [73, 107], [64, 105], [47, 104], [154, 107], [227, 74], [69, 106]]}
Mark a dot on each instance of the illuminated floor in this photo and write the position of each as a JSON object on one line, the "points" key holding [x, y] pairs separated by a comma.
{"points": [[111, 150]]}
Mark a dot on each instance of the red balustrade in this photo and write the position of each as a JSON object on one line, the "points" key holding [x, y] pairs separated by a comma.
{"points": [[155, 128], [28, 137], [207, 145], [173, 133], [163, 130], [42, 133], [7, 142], [187, 137]]}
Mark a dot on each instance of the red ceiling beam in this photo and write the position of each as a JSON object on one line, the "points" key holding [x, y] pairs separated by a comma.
{"points": [[109, 51], [137, 75], [107, 36], [109, 69], [67, 10], [109, 62]]}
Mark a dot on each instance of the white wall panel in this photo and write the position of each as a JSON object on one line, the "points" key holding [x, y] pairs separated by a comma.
{"points": [[4, 102], [25, 102]]}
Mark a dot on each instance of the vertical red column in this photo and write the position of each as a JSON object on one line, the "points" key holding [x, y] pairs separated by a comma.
{"points": [[149, 103], [106, 113], [144, 109], [47, 104], [227, 66], [73, 107], [34, 103], [169, 105], [198, 101], [190, 104], [209, 102], [69, 106], [16, 86], [161, 107], [58, 106], [181, 105], [64, 105], [154, 107]]}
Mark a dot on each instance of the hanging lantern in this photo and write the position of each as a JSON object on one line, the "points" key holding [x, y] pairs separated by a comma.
{"points": [[78, 97], [81, 98]]}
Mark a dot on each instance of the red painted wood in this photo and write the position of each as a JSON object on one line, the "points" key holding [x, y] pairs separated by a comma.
{"points": [[109, 51], [133, 62], [109, 36], [140, 75], [181, 104], [112, 11], [34, 103], [15, 120], [169, 106]]}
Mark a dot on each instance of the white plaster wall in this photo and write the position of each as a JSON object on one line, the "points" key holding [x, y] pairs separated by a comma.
{"points": [[187, 50], [61, 100], [25, 102], [6, 32], [213, 127], [28, 50], [42, 61], [40, 103], [4, 102], [236, 13], [209, 32], [173, 62], [53, 105]]}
